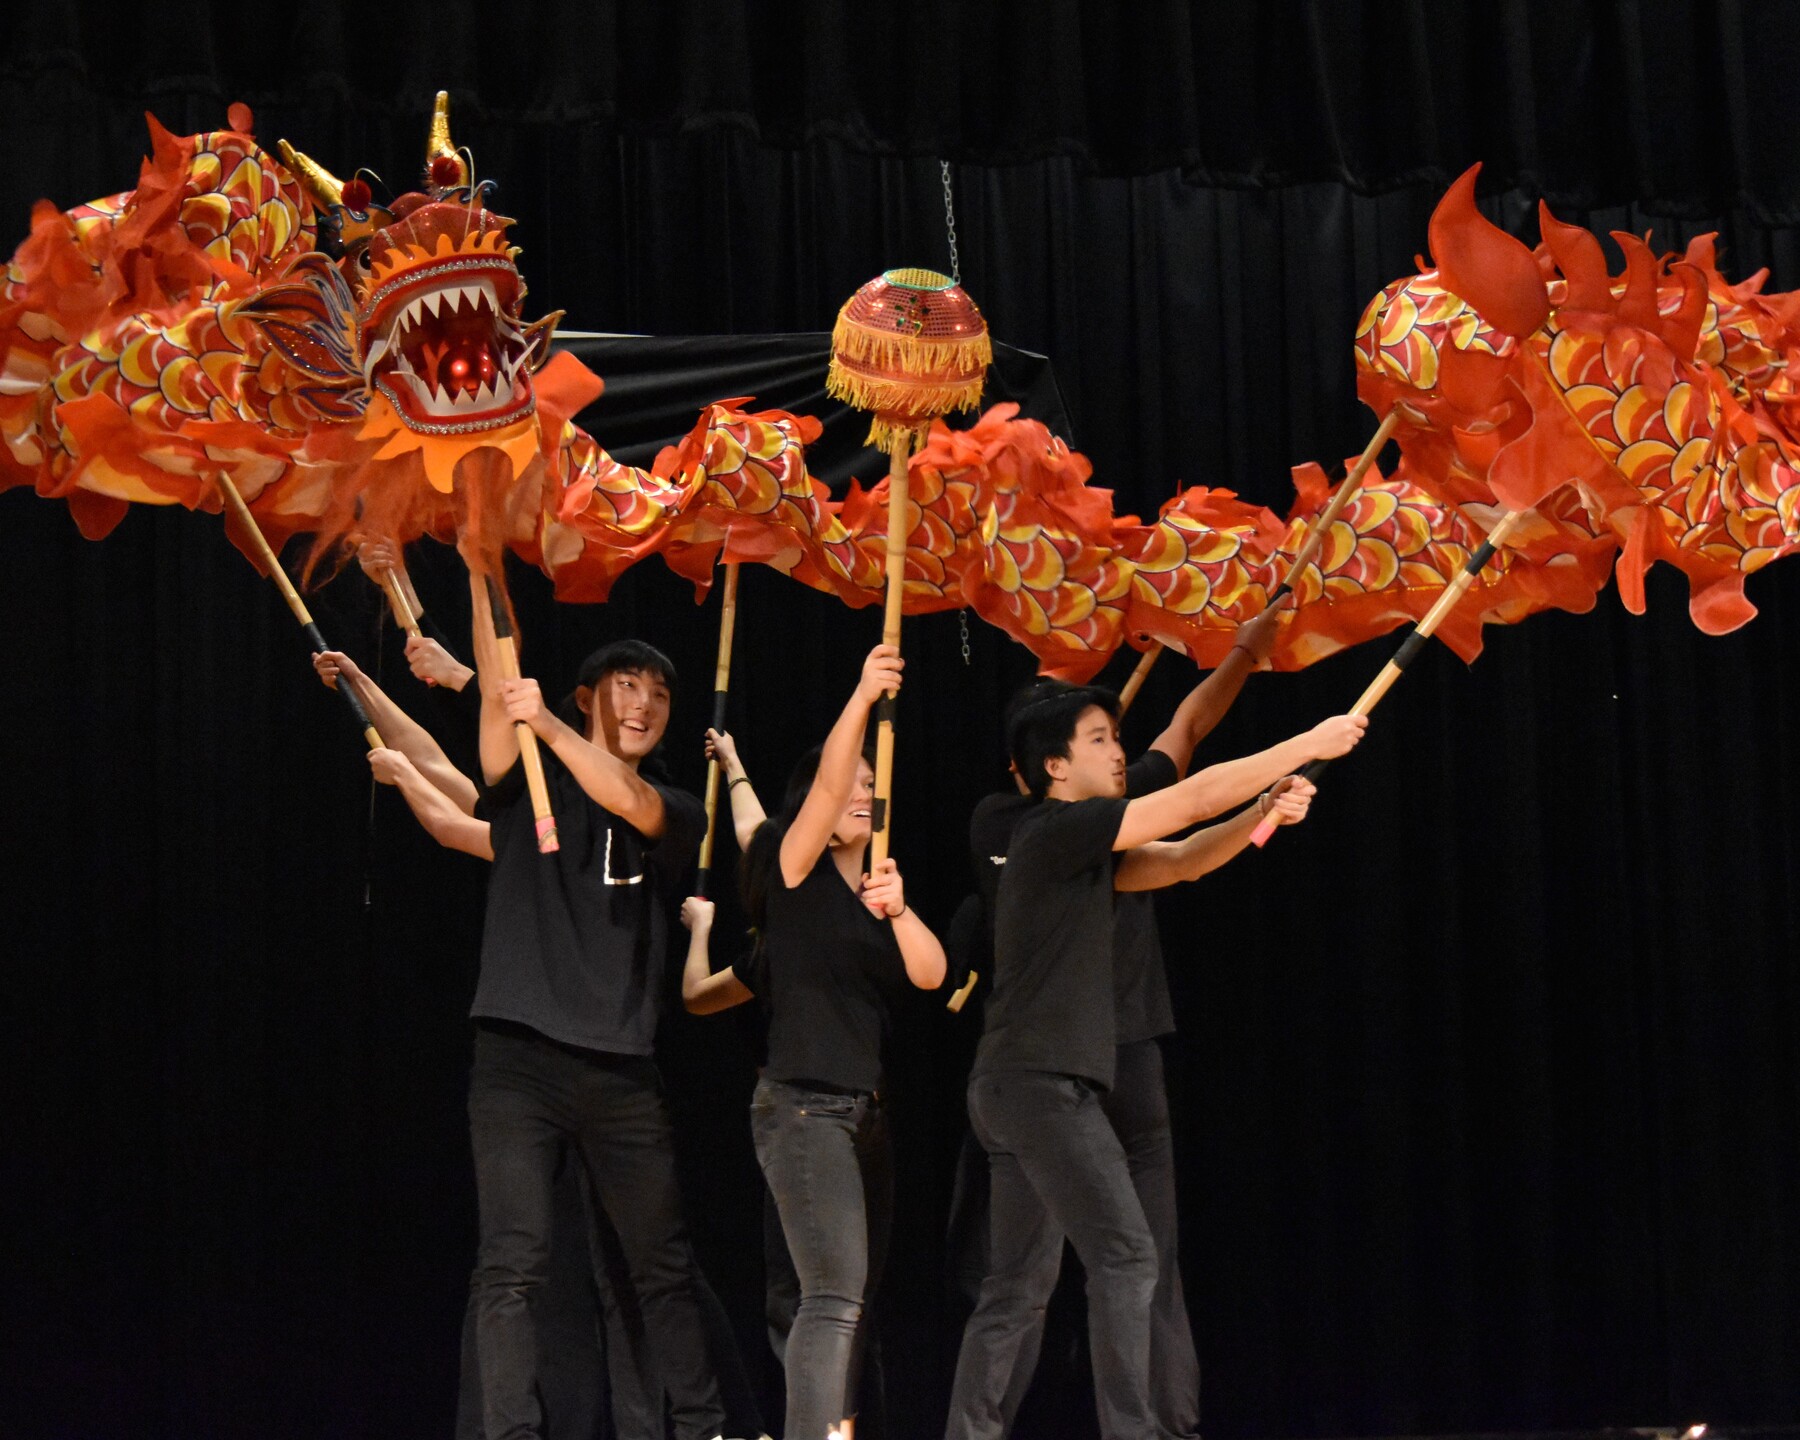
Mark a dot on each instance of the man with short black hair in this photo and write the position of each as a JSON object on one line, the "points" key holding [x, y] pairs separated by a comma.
{"points": [[1048, 1054], [572, 978]]}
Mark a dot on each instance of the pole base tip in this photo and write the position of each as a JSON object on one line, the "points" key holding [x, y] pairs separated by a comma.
{"points": [[548, 844]]}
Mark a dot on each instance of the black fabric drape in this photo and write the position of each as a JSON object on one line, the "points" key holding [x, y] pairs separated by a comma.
{"points": [[1486, 1081], [1672, 101]]}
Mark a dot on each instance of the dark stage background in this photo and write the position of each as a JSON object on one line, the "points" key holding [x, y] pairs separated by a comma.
{"points": [[1486, 1086]]}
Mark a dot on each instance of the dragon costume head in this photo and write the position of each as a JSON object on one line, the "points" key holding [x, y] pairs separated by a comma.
{"points": [[416, 304]]}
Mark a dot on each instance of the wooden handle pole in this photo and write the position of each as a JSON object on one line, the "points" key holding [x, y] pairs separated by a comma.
{"points": [[1414, 642], [1308, 552], [1346, 492], [721, 690], [544, 818], [247, 523], [1146, 663], [397, 602], [882, 830]]}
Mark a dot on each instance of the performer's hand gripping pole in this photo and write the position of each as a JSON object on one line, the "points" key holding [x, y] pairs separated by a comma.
{"points": [[890, 635], [544, 818], [1315, 537], [1414, 642], [247, 523], [721, 690]]}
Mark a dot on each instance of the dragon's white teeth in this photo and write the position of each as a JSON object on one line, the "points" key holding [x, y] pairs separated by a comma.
{"points": [[430, 301], [493, 295], [484, 397], [471, 295]]}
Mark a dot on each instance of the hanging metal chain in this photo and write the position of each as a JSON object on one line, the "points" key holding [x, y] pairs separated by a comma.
{"points": [[962, 619], [950, 224]]}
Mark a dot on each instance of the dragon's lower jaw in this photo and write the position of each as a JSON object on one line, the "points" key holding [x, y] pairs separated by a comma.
{"points": [[436, 412]]}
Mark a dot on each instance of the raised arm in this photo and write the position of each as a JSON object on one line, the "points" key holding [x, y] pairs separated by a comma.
{"points": [[399, 729], [1219, 787], [885, 895], [437, 812], [499, 741], [810, 833], [608, 780], [746, 810], [1206, 704], [703, 992], [1161, 863]]}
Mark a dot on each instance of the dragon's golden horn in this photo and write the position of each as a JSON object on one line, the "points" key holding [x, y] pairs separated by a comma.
{"points": [[438, 144], [318, 182]]}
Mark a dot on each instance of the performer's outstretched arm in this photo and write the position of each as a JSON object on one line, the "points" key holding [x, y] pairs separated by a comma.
{"points": [[400, 730], [810, 833], [443, 821], [746, 810], [703, 992], [1206, 704], [1219, 787], [1170, 862]]}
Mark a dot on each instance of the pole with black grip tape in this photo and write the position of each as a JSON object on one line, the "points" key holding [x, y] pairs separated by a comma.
{"points": [[247, 523], [544, 819], [881, 818], [1412, 645], [721, 691]]}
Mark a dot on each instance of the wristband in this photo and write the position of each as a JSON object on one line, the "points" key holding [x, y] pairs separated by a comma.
{"points": [[740, 780], [1262, 804]]}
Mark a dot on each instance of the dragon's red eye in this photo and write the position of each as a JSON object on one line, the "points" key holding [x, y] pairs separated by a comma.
{"points": [[446, 170]]}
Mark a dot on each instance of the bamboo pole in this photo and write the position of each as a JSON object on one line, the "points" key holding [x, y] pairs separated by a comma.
{"points": [[882, 829], [1410, 647], [721, 691], [247, 523], [545, 818], [398, 603], [1308, 552]]}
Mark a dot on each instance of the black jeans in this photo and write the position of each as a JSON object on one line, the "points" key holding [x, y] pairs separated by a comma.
{"points": [[1056, 1169], [830, 1168], [528, 1097], [1138, 1107]]}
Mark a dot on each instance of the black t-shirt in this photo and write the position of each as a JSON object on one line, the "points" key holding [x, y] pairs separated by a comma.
{"points": [[576, 942], [1052, 1003], [830, 972], [1140, 982]]}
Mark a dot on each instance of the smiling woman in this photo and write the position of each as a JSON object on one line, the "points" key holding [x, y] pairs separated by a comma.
{"points": [[835, 948]]}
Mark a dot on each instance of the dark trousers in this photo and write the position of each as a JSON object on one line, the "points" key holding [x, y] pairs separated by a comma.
{"points": [[781, 1303], [528, 1098], [829, 1165], [1138, 1107], [1056, 1170]]}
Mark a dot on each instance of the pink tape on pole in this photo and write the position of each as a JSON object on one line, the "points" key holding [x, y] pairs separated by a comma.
{"points": [[546, 835], [1259, 837]]}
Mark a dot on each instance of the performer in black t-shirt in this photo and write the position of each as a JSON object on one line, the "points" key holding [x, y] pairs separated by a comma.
{"points": [[444, 801], [834, 946], [1048, 1053], [1137, 1104], [572, 960]]}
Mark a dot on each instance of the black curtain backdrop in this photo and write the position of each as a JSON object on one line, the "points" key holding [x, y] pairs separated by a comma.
{"points": [[1486, 1086]]}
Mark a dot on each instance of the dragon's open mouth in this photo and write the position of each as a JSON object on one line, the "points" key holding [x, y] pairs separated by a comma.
{"points": [[449, 354]]}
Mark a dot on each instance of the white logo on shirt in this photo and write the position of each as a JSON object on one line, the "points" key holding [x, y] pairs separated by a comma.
{"points": [[606, 872], [998, 859]]}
